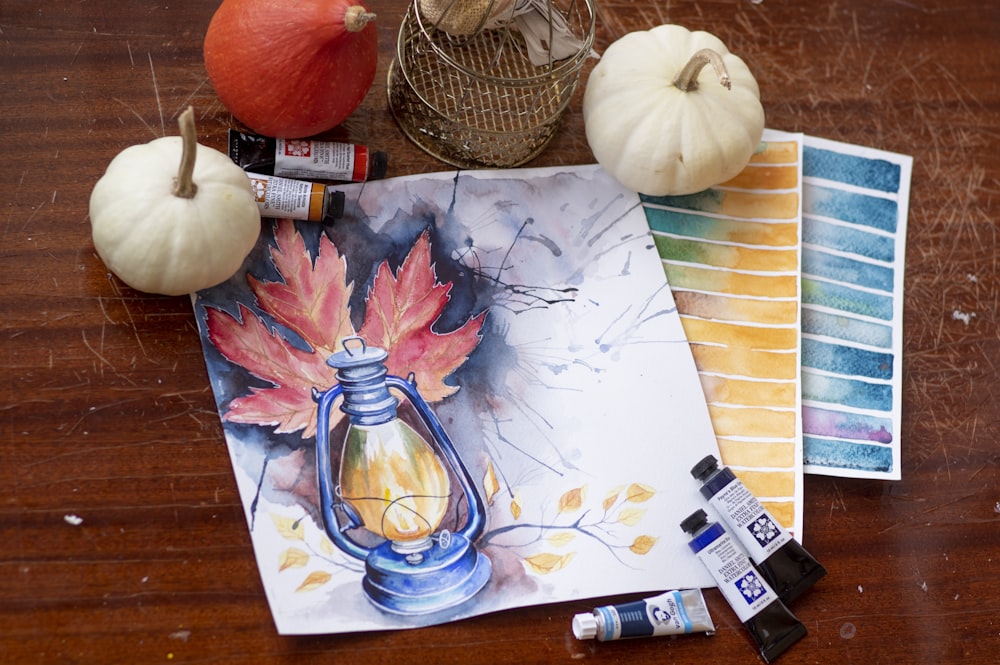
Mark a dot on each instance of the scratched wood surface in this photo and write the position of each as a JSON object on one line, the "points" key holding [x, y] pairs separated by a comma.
{"points": [[106, 413]]}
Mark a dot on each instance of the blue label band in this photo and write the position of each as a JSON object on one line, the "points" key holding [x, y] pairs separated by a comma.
{"points": [[705, 538]]}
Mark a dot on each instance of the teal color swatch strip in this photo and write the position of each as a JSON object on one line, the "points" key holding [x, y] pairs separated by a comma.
{"points": [[846, 299], [860, 242], [847, 269], [855, 203], [850, 455], [879, 174], [848, 206], [847, 360], [846, 328]]}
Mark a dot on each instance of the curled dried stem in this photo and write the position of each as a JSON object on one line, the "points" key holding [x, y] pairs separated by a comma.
{"points": [[687, 78]]}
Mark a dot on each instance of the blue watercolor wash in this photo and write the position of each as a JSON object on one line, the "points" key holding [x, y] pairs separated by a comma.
{"points": [[709, 200], [817, 263], [846, 328], [878, 174], [685, 224], [846, 299], [860, 209], [846, 455], [847, 360], [847, 239], [846, 392]]}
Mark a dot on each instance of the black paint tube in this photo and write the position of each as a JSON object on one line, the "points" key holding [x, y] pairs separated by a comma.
{"points": [[784, 563], [306, 159], [770, 623]]}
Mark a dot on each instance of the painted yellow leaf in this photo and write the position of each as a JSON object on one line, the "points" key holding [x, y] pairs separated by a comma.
{"points": [[561, 539], [314, 581], [637, 493], [572, 500], [490, 483], [612, 498], [293, 557], [631, 516], [327, 547], [546, 563], [288, 527], [515, 506], [643, 544]]}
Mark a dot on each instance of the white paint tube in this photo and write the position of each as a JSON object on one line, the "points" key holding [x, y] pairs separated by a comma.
{"points": [[670, 613]]}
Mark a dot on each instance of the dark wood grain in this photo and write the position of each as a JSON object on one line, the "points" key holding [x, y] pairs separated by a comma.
{"points": [[106, 412]]}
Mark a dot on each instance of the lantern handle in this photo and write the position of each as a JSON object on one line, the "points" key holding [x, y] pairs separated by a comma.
{"points": [[477, 507], [325, 478]]}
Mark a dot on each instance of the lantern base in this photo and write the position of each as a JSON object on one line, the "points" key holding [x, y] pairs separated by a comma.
{"points": [[446, 577]]}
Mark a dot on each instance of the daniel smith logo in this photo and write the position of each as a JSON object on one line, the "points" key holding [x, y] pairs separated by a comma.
{"points": [[763, 529], [751, 587], [297, 148]]}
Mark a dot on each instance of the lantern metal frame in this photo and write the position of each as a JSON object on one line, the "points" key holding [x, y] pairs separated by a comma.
{"points": [[448, 573]]}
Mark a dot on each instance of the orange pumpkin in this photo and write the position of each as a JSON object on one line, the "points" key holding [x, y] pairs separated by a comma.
{"points": [[291, 68]]}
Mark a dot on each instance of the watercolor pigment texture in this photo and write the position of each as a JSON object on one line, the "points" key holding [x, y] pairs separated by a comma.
{"points": [[855, 203], [732, 257], [533, 306]]}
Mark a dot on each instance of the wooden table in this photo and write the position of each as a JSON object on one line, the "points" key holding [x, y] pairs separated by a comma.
{"points": [[107, 413]]}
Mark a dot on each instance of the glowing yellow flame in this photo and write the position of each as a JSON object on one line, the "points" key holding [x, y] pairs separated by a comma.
{"points": [[394, 481]]}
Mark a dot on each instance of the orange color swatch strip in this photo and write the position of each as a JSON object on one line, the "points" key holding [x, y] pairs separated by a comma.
{"points": [[732, 256]]}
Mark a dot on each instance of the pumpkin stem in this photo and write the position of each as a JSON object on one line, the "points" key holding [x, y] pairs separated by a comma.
{"points": [[184, 186], [687, 79], [356, 18]]}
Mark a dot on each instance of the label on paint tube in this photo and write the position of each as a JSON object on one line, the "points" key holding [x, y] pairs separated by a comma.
{"points": [[286, 198], [663, 615], [301, 158], [670, 613], [751, 523], [745, 591]]}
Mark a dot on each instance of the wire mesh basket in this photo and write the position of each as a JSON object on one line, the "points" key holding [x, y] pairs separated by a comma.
{"points": [[484, 83]]}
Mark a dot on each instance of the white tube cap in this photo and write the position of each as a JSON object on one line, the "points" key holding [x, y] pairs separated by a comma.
{"points": [[585, 626]]}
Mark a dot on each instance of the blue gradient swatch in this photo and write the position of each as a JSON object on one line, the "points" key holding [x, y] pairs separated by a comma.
{"points": [[847, 455], [846, 328], [847, 360], [848, 239], [844, 269], [861, 209], [846, 299], [879, 174], [847, 392]]}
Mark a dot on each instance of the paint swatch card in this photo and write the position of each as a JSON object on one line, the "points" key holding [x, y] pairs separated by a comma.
{"points": [[732, 258], [523, 327], [855, 203]]}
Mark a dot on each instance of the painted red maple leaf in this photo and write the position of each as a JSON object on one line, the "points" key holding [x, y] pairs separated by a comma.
{"points": [[313, 300]]}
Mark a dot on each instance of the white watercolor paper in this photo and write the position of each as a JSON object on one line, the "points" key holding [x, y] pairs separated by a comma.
{"points": [[578, 414]]}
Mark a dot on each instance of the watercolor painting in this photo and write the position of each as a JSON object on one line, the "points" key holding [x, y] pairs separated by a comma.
{"points": [[471, 393], [855, 203], [732, 258]]}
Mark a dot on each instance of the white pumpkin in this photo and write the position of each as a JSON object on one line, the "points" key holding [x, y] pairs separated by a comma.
{"points": [[173, 216], [662, 122]]}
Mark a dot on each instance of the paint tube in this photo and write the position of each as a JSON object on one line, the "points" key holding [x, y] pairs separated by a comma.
{"points": [[784, 563], [770, 623], [296, 199], [306, 159], [670, 613]]}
